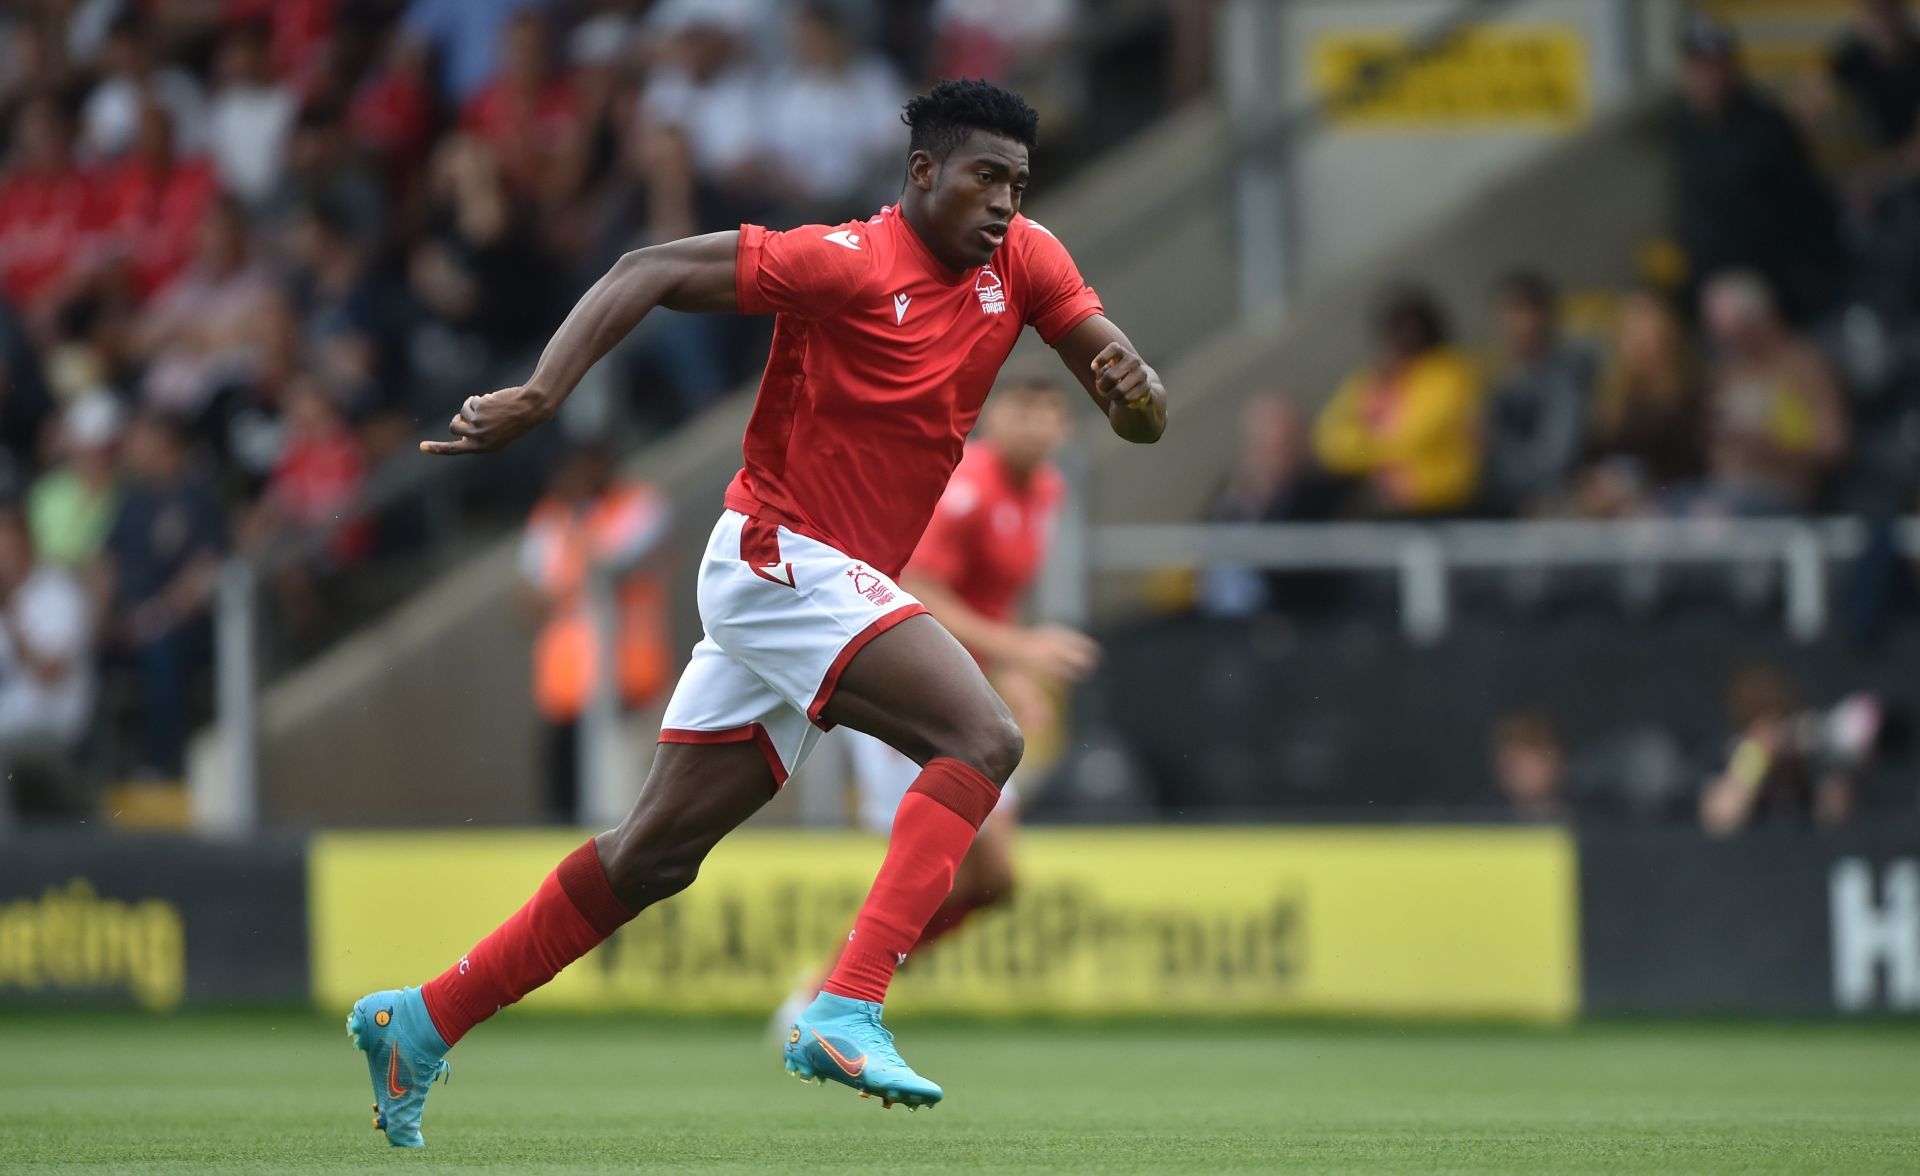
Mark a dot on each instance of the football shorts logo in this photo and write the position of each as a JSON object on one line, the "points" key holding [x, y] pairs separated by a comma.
{"points": [[992, 291], [870, 585]]}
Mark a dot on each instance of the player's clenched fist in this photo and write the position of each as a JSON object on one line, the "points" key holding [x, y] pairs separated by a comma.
{"points": [[490, 422], [1124, 378]]}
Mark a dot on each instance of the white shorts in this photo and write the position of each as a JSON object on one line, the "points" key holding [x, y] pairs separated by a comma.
{"points": [[881, 777], [783, 616]]}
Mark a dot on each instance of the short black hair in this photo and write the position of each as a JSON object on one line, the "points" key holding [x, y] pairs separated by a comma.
{"points": [[943, 117]]}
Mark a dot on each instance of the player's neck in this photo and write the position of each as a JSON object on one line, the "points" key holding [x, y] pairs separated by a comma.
{"points": [[916, 218]]}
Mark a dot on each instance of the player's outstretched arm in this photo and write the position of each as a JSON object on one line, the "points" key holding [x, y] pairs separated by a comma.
{"points": [[1129, 392], [693, 274]]}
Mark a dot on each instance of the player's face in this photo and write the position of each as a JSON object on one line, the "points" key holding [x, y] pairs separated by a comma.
{"points": [[973, 196]]}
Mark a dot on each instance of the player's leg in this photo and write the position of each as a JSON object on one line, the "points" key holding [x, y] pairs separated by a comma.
{"points": [[985, 877], [915, 688], [724, 752], [881, 777], [694, 795]]}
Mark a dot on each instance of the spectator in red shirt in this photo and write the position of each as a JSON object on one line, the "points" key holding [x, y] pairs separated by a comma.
{"points": [[527, 114], [49, 211], [155, 202], [392, 113], [311, 495]]}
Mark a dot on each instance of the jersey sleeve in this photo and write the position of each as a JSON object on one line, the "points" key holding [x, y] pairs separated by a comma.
{"points": [[1059, 299], [808, 272], [945, 545]]}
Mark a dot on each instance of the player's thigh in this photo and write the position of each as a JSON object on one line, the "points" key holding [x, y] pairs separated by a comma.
{"points": [[845, 645], [919, 691]]}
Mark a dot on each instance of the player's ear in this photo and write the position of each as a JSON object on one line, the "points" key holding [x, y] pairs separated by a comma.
{"points": [[920, 169]]}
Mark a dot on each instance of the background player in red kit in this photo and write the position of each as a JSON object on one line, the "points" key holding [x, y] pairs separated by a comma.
{"points": [[888, 334], [985, 544]]}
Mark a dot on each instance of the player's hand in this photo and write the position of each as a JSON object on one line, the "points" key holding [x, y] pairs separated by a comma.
{"points": [[1057, 653], [1123, 377], [490, 422]]}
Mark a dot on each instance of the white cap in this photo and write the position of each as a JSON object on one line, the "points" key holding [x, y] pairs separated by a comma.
{"points": [[670, 17], [601, 40], [93, 420]]}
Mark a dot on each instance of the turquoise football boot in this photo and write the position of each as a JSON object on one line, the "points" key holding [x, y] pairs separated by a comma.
{"points": [[404, 1055], [842, 1040]]}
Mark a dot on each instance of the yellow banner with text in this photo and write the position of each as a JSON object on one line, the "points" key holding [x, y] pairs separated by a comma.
{"points": [[1399, 921], [1485, 76]]}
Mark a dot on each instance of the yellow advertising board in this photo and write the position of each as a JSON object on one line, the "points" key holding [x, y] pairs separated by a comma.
{"points": [[1493, 76], [1396, 921]]}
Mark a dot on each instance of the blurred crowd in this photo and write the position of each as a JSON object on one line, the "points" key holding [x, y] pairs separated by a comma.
{"points": [[1782, 762], [250, 249], [1769, 371]]}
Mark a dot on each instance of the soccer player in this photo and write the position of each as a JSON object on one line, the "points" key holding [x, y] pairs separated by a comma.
{"points": [[987, 540], [888, 334]]}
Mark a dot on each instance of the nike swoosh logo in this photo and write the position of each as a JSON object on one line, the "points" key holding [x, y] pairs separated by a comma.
{"points": [[853, 1067], [394, 1089], [771, 572]]}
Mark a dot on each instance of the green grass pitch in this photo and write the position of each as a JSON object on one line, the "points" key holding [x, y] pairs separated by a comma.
{"points": [[258, 1093]]}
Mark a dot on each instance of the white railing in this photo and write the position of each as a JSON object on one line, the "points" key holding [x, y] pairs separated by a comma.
{"points": [[1423, 557]]}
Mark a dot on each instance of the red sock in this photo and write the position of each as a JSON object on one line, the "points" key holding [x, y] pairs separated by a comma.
{"points": [[932, 831], [572, 913]]}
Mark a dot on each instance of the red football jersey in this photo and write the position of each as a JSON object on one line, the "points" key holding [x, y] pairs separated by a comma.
{"points": [[990, 534], [155, 216], [48, 223], [880, 361]]}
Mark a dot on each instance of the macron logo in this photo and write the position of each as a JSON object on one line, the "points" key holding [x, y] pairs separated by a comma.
{"points": [[900, 308], [845, 238]]}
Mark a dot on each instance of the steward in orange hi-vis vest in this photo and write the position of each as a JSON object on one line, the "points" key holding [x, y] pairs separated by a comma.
{"points": [[566, 537]]}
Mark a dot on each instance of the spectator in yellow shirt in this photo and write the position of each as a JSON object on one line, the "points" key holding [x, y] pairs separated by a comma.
{"points": [[1408, 425]]}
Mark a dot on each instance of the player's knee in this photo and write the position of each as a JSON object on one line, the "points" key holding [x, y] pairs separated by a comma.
{"points": [[642, 871], [994, 745], [643, 883]]}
